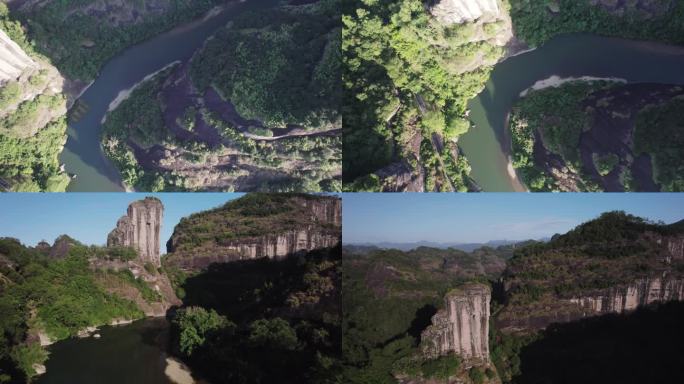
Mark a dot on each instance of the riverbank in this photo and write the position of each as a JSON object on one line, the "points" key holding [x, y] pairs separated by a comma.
{"points": [[556, 81], [82, 154], [576, 56], [124, 94]]}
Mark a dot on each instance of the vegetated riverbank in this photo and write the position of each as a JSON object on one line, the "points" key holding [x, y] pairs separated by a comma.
{"points": [[190, 129], [566, 56], [83, 155], [580, 136], [401, 104], [135, 352]]}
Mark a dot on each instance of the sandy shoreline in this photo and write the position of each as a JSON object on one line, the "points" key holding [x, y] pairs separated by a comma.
{"points": [[123, 95], [556, 81], [177, 372]]}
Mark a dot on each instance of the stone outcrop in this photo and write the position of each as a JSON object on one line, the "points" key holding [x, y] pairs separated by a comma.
{"points": [[623, 299], [675, 247], [61, 247], [462, 326], [140, 229], [271, 246], [310, 223], [13, 60], [461, 11]]}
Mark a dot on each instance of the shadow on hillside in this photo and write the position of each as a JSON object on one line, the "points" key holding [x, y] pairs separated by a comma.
{"points": [[641, 347], [249, 289]]}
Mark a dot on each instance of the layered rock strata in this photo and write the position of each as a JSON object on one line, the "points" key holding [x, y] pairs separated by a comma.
{"points": [[622, 299], [140, 229], [309, 224], [462, 326]]}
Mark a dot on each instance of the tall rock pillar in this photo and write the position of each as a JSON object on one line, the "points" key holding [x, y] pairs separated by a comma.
{"points": [[140, 229], [462, 326]]}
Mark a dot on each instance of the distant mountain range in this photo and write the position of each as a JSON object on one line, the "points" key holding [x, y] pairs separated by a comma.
{"points": [[466, 247]]}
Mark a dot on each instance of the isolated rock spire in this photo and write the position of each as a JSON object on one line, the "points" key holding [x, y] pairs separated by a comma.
{"points": [[140, 229], [462, 326]]}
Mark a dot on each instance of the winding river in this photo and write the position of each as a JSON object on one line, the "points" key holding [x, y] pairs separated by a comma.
{"points": [[83, 154], [576, 55], [132, 353]]}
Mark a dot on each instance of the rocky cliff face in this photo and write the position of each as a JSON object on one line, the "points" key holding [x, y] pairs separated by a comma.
{"points": [[612, 264], [139, 229], [255, 226], [675, 247], [13, 60], [641, 292], [462, 326], [460, 11], [157, 282]]}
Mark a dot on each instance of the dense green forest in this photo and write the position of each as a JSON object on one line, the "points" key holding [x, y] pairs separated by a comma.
{"points": [[388, 299], [659, 132], [263, 321], [537, 21], [138, 120], [79, 40], [405, 74], [557, 116], [612, 250], [57, 295], [29, 153], [306, 163], [280, 66]]}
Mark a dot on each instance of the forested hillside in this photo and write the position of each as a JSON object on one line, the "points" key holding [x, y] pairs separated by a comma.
{"points": [[32, 119], [79, 37], [388, 299], [257, 108], [537, 21], [407, 79], [49, 293]]}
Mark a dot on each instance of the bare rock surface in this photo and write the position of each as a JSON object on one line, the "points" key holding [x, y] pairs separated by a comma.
{"points": [[462, 326], [140, 229]]}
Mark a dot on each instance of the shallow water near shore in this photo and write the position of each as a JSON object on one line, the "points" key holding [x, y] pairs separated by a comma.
{"points": [[131, 353], [487, 145]]}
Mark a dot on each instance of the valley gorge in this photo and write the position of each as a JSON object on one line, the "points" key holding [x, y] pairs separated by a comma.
{"points": [[615, 269], [495, 52], [129, 281]]}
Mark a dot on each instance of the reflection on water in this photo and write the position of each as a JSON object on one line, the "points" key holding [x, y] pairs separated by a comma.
{"points": [[133, 353]]}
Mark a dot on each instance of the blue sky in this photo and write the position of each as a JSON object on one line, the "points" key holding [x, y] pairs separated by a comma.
{"points": [[480, 217], [88, 217]]}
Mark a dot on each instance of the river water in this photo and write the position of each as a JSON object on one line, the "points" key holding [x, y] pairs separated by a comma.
{"points": [[83, 154], [132, 353], [486, 145]]}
